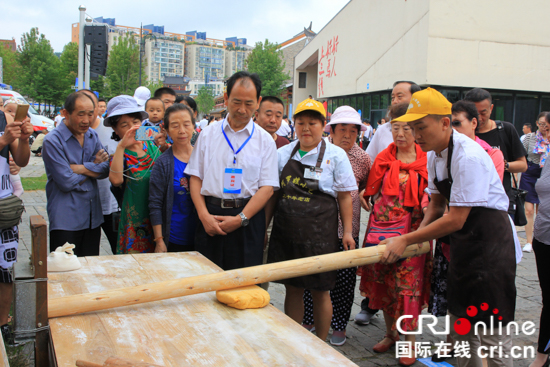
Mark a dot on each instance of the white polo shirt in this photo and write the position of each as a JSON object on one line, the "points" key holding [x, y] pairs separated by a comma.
{"points": [[337, 175], [475, 179], [381, 139], [212, 155]]}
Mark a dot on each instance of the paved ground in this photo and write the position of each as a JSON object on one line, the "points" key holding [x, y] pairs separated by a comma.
{"points": [[361, 339]]}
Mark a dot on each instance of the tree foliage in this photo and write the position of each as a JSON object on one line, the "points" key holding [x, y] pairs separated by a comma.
{"points": [[123, 67], [266, 61], [68, 67], [153, 86], [10, 65], [40, 69], [205, 100]]}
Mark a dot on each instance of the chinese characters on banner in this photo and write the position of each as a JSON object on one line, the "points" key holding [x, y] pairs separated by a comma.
{"points": [[327, 62]]}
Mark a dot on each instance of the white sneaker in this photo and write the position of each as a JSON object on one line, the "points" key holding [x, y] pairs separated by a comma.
{"points": [[527, 248], [363, 317]]}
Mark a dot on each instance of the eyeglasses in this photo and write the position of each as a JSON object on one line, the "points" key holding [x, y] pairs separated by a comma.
{"points": [[456, 123]]}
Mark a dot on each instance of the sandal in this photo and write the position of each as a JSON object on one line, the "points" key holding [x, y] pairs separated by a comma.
{"points": [[381, 348]]}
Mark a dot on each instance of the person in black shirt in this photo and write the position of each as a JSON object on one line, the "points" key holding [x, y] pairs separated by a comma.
{"points": [[500, 135]]}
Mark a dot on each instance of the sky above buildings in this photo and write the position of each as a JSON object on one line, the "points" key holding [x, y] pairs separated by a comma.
{"points": [[256, 20]]}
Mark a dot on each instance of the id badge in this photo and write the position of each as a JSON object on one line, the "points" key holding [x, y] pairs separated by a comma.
{"points": [[313, 173], [232, 180]]}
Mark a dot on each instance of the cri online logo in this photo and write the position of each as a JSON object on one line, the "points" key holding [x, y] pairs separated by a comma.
{"points": [[463, 326]]}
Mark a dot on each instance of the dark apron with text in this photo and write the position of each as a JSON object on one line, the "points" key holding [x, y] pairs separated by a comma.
{"points": [[305, 223], [482, 269]]}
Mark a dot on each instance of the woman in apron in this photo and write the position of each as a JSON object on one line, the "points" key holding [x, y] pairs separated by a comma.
{"points": [[316, 179], [481, 274]]}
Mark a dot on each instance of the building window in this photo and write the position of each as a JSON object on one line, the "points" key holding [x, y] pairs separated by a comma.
{"points": [[302, 80]]}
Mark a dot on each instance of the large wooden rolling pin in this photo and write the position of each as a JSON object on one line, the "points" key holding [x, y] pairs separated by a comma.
{"points": [[81, 303]]}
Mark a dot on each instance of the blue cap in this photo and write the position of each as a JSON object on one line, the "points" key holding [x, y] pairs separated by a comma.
{"points": [[122, 105]]}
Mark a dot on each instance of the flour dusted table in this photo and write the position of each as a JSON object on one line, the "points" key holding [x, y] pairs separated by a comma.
{"points": [[194, 330]]}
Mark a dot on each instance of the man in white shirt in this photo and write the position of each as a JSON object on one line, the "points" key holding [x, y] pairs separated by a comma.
{"points": [[58, 118], [402, 92], [483, 267], [203, 123], [233, 171], [284, 130]]}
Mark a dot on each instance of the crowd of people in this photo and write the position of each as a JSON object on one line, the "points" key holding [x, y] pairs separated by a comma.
{"points": [[254, 187]]}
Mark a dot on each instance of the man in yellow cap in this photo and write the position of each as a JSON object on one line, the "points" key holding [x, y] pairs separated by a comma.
{"points": [[481, 275]]}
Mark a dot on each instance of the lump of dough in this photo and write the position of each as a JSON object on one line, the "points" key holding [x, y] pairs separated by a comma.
{"points": [[245, 297], [63, 259]]}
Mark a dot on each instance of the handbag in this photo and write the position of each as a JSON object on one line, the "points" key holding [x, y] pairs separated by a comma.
{"points": [[11, 210], [519, 195], [378, 231]]}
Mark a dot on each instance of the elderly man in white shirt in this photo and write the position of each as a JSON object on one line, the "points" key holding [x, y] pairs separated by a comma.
{"points": [[233, 171]]}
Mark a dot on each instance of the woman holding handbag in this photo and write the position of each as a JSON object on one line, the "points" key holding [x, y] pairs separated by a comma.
{"points": [[397, 181]]}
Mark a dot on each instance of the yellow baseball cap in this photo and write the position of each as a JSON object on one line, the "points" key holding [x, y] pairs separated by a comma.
{"points": [[310, 104], [426, 102]]}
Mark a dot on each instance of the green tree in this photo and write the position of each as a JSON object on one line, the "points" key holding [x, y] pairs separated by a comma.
{"points": [[123, 67], [266, 61], [69, 67], [205, 100], [153, 86], [10, 65], [40, 69]]}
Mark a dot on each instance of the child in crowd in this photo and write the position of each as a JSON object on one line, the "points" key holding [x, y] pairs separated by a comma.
{"points": [[155, 108]]}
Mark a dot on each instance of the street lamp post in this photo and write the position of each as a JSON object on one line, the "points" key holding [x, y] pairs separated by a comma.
{"points": [[81, 45]]}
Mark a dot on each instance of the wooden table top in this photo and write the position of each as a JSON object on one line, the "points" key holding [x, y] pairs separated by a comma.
{"points": [[194, 330]]}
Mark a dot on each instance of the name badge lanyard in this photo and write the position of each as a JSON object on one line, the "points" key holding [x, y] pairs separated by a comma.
{"points": [[242, 146]]}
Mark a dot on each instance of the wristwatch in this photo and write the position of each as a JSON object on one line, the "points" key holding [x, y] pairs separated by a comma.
{"points": [[244, 219]]}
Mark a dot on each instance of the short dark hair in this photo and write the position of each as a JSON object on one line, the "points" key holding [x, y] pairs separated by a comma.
{"points": [[179, 98], [284, 116], [414, 87], [89, 93], [210, 118], [190, 102], [478, 95], [164, 90], [398, 110], [175, 108], [272, 99], [245, 75], [314, 115], [468, 107], [543, 113], [153, 99], [333, 127], [101, 100], [529, 125], [70, 101]]}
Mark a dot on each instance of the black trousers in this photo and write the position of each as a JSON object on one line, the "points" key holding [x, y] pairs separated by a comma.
{"points": [[110, 232], [86, 241], [542, 255], [238, 249]]}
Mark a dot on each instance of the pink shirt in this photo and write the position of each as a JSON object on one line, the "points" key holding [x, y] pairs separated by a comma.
{"points": [[495, 154]]}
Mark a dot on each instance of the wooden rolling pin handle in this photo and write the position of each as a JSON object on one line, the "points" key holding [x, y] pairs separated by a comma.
{"points": [[81, 363], [81, 303]]}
